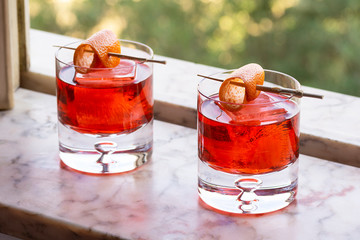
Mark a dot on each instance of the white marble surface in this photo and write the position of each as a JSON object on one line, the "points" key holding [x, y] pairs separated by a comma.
{"points": [[39, 200]]}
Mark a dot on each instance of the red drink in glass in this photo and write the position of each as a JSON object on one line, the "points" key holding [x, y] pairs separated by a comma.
{"points": [[99, 102], [248, 157], [257, 139], [105, 115]]}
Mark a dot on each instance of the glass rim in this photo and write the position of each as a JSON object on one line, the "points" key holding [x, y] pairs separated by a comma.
{"points": [[99, 69], [285, 97]]}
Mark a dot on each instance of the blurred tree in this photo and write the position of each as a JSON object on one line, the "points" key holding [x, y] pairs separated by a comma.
{"points": [[316, 41]]}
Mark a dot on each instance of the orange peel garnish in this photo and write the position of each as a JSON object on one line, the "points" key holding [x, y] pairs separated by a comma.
{"points": [[232, 94], [251, 75], [93, 52]]}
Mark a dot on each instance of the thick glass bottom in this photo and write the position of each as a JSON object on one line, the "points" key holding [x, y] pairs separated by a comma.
{"points": [[117, 162], [105, 154], [247, 194]]}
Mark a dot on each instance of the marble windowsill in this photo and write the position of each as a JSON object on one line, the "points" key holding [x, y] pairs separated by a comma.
{"points": [[40, 200], [330, 128]]}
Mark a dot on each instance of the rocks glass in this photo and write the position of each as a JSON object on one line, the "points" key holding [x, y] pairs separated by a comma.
{"points": [[105, 116], [248, 159]]}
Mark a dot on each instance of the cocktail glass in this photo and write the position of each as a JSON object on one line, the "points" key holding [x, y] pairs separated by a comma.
{"points": [[248, 159], [105, 116]]}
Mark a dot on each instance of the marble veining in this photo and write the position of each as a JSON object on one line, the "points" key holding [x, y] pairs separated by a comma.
{"points": [[40, 200]]}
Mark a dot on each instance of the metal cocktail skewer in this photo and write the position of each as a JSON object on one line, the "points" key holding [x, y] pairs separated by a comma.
{"points": [[278, 90], [123, 56]]}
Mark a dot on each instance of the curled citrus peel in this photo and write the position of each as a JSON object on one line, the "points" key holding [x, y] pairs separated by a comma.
{"points": [[251, 75], [93, 52], [232, 94]]}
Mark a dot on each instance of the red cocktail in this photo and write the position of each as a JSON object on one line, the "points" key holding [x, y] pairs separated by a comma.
{"points": [[262, 137], [248, 153], [105, 113], [103, 102]]}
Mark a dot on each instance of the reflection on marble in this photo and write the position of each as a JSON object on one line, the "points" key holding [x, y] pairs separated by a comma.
{"points": [[39, 200]]}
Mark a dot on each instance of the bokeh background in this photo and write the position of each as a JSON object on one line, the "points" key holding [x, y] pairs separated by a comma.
{"points": [[316, 41]]}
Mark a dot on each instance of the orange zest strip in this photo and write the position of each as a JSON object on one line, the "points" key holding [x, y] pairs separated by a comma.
{"points": [[93, 52], [232, 94], [251, 74]]}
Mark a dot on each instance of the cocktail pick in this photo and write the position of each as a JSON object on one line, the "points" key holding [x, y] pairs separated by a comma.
{"points": [[278, 90], [123, 56]]}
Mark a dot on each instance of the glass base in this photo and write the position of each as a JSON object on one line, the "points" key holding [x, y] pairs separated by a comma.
{"points": [[117, 162], [100, 154], [247, 194]]}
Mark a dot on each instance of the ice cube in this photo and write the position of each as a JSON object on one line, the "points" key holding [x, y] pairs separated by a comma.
{"points": [[263, 110], [108, 77]]}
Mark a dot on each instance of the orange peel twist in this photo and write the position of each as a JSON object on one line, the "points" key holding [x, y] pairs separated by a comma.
{"points": [[93, 52], [251, 75]]}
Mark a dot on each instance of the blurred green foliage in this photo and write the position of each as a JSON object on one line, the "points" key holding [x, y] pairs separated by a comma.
{"points": [[316, 41]]}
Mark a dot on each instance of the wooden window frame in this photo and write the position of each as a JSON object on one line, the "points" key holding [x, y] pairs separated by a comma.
{"points": [[15, 68], [9, 52]]}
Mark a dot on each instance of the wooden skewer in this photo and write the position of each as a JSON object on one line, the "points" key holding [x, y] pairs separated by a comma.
{"points": [[123, 56], [278, 90]]}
